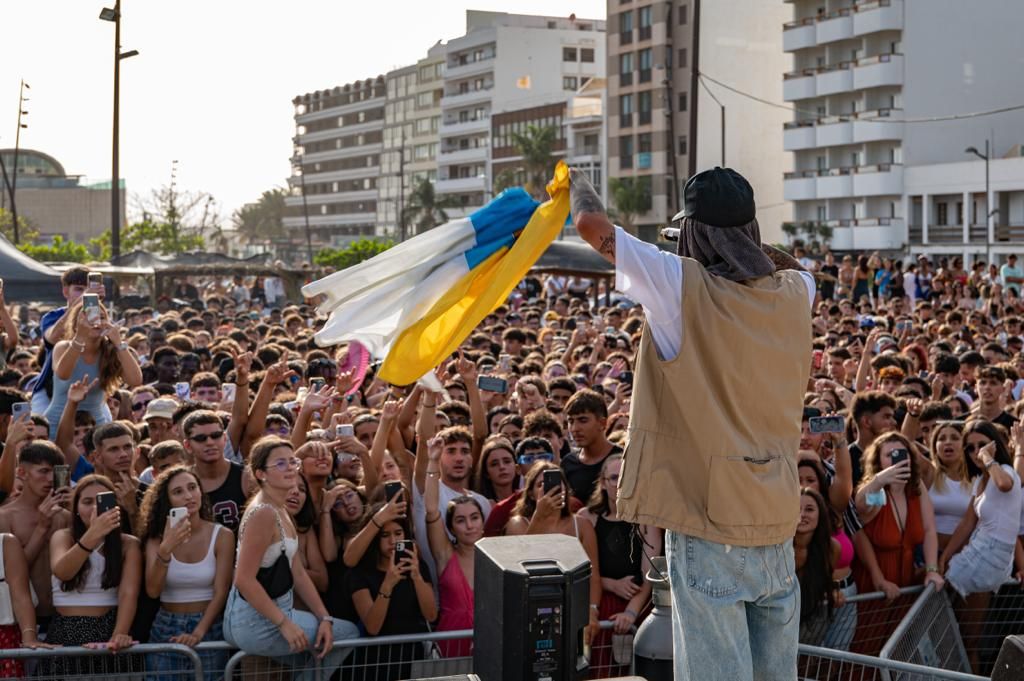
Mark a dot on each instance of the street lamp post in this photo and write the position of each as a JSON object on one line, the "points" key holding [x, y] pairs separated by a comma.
{"points": [[12, 180], [114, 15], [989, 211]]}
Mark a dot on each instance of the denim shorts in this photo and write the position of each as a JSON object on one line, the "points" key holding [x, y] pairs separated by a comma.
{"points": [[983, 565], [175, 667]]}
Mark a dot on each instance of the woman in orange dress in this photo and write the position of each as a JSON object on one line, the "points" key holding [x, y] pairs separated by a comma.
{"points": [[897, 514]]}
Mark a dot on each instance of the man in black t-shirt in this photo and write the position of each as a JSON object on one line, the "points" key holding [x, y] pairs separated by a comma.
{"points": [[588, 416], [223, 481]]}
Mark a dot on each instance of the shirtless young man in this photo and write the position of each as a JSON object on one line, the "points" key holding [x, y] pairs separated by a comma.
{"points": [[37, 512]]}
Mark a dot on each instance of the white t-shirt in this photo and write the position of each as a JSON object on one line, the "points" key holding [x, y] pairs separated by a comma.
{"points": [[999, 512], [910, 285], [950, 505], [654, 278], [419, 517]]}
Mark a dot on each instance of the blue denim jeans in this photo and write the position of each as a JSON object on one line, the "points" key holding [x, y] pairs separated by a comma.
{"points": [[173, 667], [247, 629], [735, 610]]}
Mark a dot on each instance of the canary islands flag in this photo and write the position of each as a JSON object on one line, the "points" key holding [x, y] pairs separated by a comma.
{"points": [[414, 304]]}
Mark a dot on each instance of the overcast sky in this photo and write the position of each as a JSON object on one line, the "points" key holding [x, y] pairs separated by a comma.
{"points": [[213, 84]]}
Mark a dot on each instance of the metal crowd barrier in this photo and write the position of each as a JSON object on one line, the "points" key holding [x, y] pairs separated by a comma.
{"points": [[863, 625], [377, 658], [825, 664]]}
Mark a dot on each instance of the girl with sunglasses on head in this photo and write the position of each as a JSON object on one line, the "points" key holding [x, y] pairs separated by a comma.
{"points": [[260, 617], [980, 554], [624, 550], [188, 568]]}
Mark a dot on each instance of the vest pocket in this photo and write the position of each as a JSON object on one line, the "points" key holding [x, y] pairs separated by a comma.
{"points": [[631, 464], [744, 491]]}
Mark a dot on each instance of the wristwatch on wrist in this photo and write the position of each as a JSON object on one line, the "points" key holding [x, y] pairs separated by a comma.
{"points": [[123, 346]]}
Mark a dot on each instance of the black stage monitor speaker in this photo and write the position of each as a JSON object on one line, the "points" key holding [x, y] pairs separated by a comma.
{"points": [[1010, 663], [532, 605]]}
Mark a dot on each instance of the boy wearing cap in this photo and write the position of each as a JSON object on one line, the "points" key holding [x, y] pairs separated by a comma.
{"points": [[714, 431]]}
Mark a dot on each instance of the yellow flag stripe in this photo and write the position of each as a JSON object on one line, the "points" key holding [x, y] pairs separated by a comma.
{"points": [[427, 342]]}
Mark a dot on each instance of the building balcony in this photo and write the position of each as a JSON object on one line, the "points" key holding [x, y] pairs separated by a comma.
{"points": [[854, 128], [878, 15], [879, 71], [954, 234], [450, 156], [458, 99], [877, 180], [336, 175], [476, 183], [798, 85], [341, 219], [843, 24], [833, 79], [884, 179], [471, 68], [799, 34], [868, 234], [344, 152], [464, 127], [836, 25]]}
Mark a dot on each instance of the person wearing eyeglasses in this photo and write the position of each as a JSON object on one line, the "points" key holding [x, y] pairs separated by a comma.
{"points": [[980, 555], [260, 617], [624, 550], [224, 482]]}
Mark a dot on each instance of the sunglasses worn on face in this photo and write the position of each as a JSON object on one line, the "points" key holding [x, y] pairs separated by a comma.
{"points": [[973, 447], [139, 406], [527, 459], [203, 437]]}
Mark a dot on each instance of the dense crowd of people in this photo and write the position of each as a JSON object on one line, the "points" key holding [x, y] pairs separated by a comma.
{"points": [[204, 471]]}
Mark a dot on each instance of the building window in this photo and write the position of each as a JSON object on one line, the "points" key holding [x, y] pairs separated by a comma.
{"points": [[645, 22], [684, 11], [682, 101], [942, 214], [626, 110], [625, 28], [626, 69], [646, 62], [569, 83], [568, 54], [587, 55], [682, 58], [683, 146], [626, 152], [644, 109]]}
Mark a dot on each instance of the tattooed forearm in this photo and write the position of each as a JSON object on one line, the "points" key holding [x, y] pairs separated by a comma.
{"points": [[583, 198], [781, 259], [607, 247]]}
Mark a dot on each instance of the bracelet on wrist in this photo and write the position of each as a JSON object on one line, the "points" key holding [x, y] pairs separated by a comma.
{"points": [[931, 568], [165, 561], [373, 519], [82, 546], [434, 519], [381, 593], [631, 613]]}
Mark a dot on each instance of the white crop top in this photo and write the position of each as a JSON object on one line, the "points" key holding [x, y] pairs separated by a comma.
{"points": [[192, 582], [291, 544], [89, 593]]}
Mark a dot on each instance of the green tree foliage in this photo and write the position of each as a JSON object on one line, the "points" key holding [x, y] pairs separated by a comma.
{"points": [[163, 238], [426, 209], [631, 198], [263, 220], [353, 254], [26, 232], [536, 145], [59, 251]]}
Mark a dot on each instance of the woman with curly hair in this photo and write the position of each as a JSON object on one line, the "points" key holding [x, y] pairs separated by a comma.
{"points": [[188, 568], [95, 350]]}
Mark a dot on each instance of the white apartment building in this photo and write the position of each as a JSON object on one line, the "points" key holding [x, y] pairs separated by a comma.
{"points": [[868, 77], [504, 63], [336, 162]]}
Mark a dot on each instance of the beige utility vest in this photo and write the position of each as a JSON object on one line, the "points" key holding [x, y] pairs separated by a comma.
{"points": [[714, 432]]}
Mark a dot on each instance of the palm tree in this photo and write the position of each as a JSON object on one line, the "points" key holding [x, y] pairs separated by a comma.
{"points": [[263, 220], [426, 209], [631, 197], [536, 146]]}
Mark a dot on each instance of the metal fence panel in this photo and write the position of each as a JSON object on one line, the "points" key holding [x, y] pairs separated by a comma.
{"points": [[824, 664], [863, 625], [929, 635], [134, 664]]}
